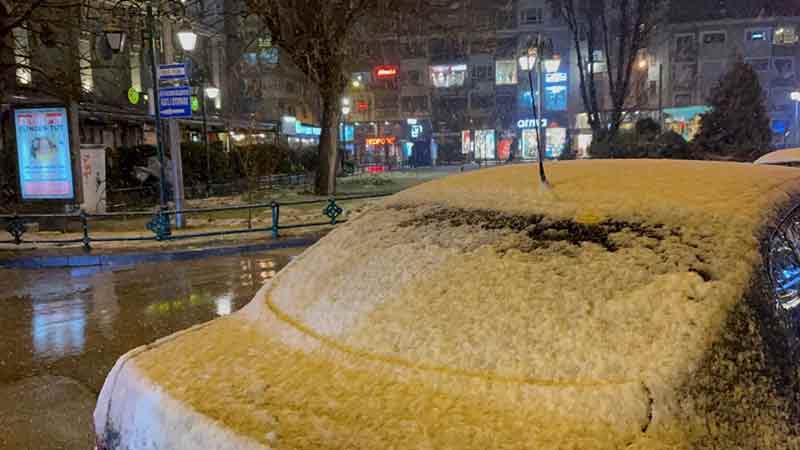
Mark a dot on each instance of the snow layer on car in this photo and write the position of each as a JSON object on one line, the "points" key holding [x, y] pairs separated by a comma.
{"points": [[480, 311]]}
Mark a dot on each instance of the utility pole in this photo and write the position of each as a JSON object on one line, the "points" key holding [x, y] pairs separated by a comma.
{"points": [[660, 97]]}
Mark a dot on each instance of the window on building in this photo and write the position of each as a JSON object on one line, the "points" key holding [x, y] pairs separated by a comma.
{"points": [[482, 73], [531, 16], [415, 104], [715, 37], [22, 55], [505, 19], [413, 48], [505, 72], [786, 35], [506, 47], [481, 102], [412, 78], [784, 68], [683, 100], [760, 35], [291, 87], [386, 102], [758, 64], [448, 75], [85, 55]]}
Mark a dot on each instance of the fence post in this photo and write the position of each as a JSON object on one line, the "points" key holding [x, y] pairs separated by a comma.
{"points": [[16, 227], [85, 225], [276, 211], [332, 210]]}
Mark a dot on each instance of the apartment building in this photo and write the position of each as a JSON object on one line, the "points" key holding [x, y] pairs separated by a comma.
{"points": [[467, 90]]}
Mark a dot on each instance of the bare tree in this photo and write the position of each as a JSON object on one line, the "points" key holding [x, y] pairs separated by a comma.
{"points": [[609, 37], [317, 36]]}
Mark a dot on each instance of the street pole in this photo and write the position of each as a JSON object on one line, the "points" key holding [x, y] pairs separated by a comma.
{"points": [[797, 122], [159, 138], [174, 134], [205, 135], [660, 98]]}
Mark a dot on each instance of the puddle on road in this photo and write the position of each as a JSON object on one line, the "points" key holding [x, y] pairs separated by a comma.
{"points": [[75, 323]]}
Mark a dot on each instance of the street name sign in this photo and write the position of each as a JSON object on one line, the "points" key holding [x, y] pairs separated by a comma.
{"points": [[172, 72], [175, 102]]}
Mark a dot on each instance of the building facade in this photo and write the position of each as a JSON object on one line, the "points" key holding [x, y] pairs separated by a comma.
{"points": [[468, 88]]}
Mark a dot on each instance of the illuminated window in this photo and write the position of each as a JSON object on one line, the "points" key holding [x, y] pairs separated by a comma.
{"points": [[22, 55], [786, 35], [85, 55], [505, 72], [761, 35], [448, 75], [482, 72]]}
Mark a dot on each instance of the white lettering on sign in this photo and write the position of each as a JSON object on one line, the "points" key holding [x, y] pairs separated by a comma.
{"points": [[530, 123]]}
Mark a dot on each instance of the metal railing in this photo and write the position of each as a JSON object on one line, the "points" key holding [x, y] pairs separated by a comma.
{"points": [[161, 222]]}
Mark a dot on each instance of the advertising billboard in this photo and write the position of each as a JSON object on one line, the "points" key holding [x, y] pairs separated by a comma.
{"points": [[466, 142], [43, 154], [484, 144]]}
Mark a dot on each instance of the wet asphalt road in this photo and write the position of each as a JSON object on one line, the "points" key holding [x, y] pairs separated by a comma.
{"points": [[61, 330]]}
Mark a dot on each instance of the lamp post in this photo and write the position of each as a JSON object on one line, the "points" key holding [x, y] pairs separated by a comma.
{"points": [[188, 41], [343, 134], [152, 40], [538, 48], [795, 96]]}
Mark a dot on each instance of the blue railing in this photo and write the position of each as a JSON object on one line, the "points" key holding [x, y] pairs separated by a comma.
{"points": [[161, 222]]}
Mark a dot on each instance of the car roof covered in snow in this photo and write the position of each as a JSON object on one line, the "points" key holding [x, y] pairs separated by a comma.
{"points": [[481, 311]]}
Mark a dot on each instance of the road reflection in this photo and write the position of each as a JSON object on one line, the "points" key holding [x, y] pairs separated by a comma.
{"points": [[77, 322]]}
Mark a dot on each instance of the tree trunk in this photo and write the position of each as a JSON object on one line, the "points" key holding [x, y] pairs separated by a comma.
{"points": [[325, 183]]}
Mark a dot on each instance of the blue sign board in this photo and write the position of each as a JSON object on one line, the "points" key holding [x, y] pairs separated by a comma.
{"points": [[175, 102], [43, 153], [555, 91], [172, 72]]}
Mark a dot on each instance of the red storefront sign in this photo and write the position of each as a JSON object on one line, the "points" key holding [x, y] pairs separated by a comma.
{"points": [[385, 72], [362, 106], [383, 140]]}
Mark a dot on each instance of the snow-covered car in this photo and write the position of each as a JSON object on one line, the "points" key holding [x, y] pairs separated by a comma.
{"points": [[634, 304], [786, 157]]}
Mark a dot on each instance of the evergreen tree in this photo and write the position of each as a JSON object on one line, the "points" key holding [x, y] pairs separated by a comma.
{"points": [[737, 127]]}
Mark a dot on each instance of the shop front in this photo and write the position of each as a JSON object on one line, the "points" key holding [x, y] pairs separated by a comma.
{"points": [[555, 138]]}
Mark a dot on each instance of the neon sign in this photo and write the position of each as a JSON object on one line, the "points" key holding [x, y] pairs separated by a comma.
{"points": [[530, 123], [383, 140], [385, 72], [362, 106]]}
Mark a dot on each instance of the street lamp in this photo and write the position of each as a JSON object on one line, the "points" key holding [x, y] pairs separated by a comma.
{"points": [[187, 38], [537, 50], [345, 112], [212, 92], [115, 40], [795, 96]]}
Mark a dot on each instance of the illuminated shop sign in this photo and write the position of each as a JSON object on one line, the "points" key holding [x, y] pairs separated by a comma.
{"points": [[558, 77], [530, 123], [383, 140], [385, 72], [448, 75], [307, 130], [362, 106]]}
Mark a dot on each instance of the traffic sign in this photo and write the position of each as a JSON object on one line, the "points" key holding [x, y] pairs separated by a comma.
{"points": [[175, 102], [172, 72]]}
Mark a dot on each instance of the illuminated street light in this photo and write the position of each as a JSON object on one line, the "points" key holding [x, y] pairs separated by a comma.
{"points": [[212, 92], [187, 38]]}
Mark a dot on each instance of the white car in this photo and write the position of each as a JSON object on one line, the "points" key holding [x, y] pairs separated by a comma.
{"points": [[634, 304]]}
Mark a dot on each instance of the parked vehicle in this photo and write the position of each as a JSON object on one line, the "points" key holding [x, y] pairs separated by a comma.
{"points": [[634, 304]]}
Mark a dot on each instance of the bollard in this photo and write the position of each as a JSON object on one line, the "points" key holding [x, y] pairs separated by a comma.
{"points": [[87, 247], [276, 211]]}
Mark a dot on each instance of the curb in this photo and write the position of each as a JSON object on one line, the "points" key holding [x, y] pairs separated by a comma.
{"points": [[128, 259]]}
